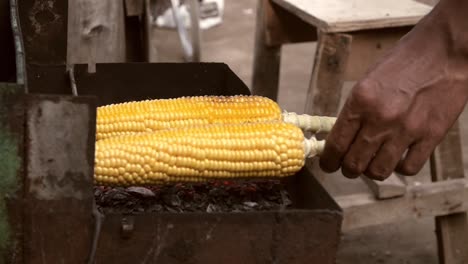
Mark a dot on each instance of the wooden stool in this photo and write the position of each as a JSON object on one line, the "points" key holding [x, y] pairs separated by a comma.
{"points": [[350, 36]]}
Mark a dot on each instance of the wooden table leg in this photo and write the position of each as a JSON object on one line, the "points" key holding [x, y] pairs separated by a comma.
{"points": [[324, 94], [267, 58], [452, 230]]}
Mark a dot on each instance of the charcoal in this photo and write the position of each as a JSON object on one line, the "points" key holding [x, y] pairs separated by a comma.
{"points": [[209, 197], [142, 191]]}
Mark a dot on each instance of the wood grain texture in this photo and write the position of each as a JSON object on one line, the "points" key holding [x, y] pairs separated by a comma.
{"points": [[352, 15], [96, 31], [331, 60], [451, 230], [324, 94], [427, 200], [368, 47], [267, 58], [392, 187]]}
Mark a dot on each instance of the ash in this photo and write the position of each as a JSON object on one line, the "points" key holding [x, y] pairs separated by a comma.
{"points": [[210, 197]]}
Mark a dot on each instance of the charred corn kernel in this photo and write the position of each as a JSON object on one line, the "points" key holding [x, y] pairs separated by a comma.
{"points": [[200, 153], [152, 115]]}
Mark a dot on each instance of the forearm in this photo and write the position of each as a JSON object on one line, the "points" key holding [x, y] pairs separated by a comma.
{"points": [[436, 48]]}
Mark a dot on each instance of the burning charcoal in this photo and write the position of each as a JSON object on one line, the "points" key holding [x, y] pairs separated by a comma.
{"points": [[141, 191]]}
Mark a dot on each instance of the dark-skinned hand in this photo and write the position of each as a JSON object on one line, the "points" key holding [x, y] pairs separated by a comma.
{"points": [[401, 110]]}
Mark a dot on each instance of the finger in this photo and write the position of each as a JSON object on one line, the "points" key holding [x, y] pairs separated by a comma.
{"points": [[361, 152], [339, 139], [387, 158], [416, 157]]}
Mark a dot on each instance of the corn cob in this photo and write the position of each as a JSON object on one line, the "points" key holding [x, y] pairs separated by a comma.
{"points": [[153, 115], [254, 150]]}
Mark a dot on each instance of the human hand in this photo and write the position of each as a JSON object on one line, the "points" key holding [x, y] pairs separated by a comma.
{"points": [[407, 102]]}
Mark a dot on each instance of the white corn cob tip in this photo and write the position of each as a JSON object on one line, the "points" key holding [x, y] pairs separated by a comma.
{"points": [[313, 147], [310, 123]]}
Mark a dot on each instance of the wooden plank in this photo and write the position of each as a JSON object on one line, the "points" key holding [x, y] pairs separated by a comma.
{"points": [[392, 187], [96, 32], [345, 16], [324, 93], [331, 59], [426, 200], [452, 230], [368, 46], [267, 59], [429, 2]]}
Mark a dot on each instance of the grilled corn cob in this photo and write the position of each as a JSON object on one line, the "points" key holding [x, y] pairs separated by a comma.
{"points": [[153, 115], [268, 149]]}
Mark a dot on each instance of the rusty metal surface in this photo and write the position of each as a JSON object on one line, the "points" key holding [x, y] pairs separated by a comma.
{"points": [[11, 146], [121, 82], [44, 30], [60, 135], [7, 48], [308, 234]]}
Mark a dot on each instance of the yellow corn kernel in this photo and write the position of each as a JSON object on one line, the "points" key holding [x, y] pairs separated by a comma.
{"points": [[153, 115], [200, 153]]}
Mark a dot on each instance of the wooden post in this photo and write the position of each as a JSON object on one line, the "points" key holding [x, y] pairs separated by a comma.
{"points": [[452, 230], [324, 94], [267, 59]]}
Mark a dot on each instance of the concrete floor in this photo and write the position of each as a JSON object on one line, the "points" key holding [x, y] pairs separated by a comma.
{"points": [[232, 43]]}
